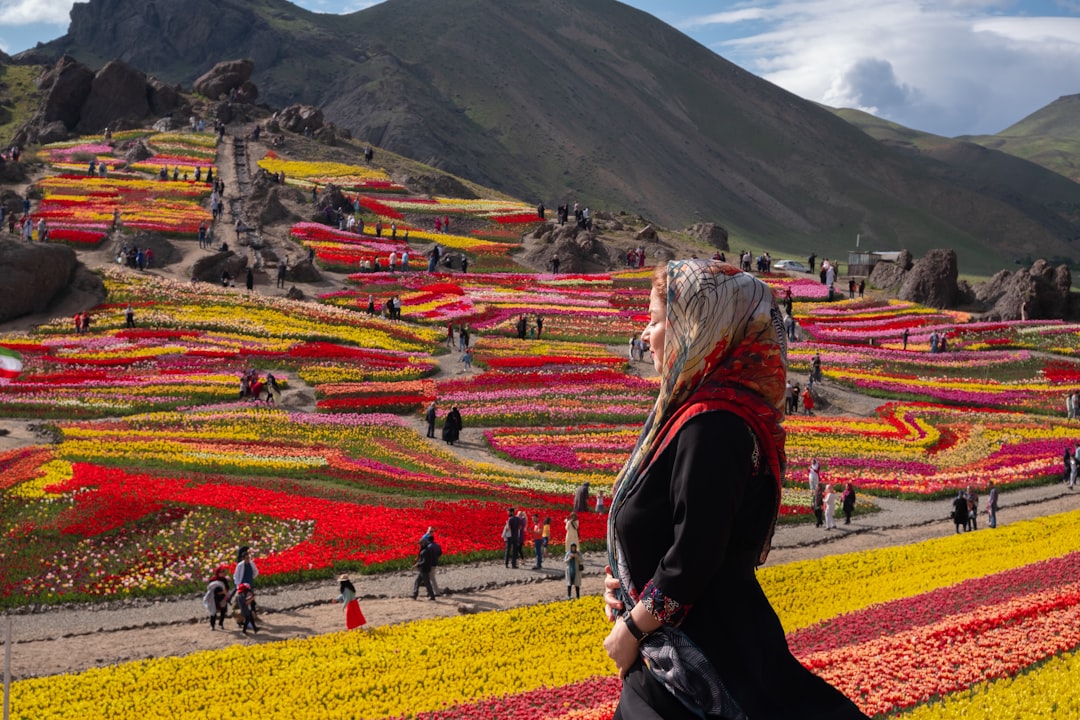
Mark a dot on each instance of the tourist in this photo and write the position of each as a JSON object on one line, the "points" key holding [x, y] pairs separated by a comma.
{"points": [[713, 645], [216, 599], [575, 565], [960, 512], [423, 567], [973, 509], [992, 505], [509, 535], [572, 536], [537, 534], [830, 508], [429, 416], [354, 616], [847, 501]]}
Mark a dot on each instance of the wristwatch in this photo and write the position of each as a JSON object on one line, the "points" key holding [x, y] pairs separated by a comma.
{"points": [[637, 632]]}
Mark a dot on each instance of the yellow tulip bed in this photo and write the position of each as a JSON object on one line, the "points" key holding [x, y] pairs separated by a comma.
{"points": [[947, 622]]}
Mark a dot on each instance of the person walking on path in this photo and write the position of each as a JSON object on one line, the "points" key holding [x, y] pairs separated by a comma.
{"points": [[354, 616], [830, 508], [538, 542], [817, 504], [992, 505], [973, 509], [129, 316], [423, 566], [435, 551], [848, 501], [216, 599], [572, 530], [430, 417], [245, 601], [575, 565], [960, 511], [250, 280], [510, 533]]}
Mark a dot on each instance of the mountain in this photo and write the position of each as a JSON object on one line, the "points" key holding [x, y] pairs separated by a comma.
{"points": [[1049, 136], [589, 100]]}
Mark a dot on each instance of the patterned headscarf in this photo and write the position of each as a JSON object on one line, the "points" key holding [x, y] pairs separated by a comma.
{"points": [[724, 349]]}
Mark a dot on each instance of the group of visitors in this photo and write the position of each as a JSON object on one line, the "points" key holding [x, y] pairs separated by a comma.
{"points": [[530, 330], [254, 387], [135, 257], [824, 498], [938, 342], [853, 288], [635, 257], [1072, 405], [218, 597], [1071, 465], [965, 508], [81, 321]]}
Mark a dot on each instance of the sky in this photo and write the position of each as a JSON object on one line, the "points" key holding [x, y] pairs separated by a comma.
{"points": [[951, 67]]}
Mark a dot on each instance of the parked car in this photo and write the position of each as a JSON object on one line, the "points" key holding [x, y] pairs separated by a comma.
{"points": [[791, 266]]}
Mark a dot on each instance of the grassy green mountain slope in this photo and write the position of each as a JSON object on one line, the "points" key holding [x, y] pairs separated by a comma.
{"points": [[1049, 136], [587, 100]]}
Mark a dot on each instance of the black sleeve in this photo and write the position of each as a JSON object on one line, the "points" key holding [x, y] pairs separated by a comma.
{"points": [[710, 472]]}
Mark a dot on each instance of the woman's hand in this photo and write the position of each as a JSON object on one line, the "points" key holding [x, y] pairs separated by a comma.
{"points": [[612, 605], [622, 648]]}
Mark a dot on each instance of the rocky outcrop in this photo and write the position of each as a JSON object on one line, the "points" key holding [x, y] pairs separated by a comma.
{"points": [[932, 280], [119, 93], [646, 235], [1040, 292], [439, 184], [711, 233], [223, 78], [209, 268], [579, 250], [116, 96], [66, 86], [165, 253], [303, 271], [300, 119], [34, 275]]}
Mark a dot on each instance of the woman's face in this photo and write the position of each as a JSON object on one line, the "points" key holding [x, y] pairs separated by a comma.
{"points": [[656, 330]]}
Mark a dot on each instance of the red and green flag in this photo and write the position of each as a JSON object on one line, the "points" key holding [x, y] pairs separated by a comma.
{"points": [[10, 365]]}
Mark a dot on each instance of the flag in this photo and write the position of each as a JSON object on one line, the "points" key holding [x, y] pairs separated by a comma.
{"points": [[10, 365]]}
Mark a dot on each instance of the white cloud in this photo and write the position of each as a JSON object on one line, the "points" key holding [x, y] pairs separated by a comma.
{"points": [[956, 67], [724, 18], [24, 12]]}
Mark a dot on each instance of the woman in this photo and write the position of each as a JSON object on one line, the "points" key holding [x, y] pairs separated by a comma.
{"points": [[830, 508], [572, 534], [451, 427], [216, 599], [694, 510], [848, 500], [354, 617], [575, 565]]}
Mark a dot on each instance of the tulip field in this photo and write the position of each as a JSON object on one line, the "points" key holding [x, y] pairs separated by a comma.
{"points": [[159, 468]]}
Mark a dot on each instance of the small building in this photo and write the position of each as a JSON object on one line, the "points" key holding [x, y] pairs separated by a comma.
{"points": [[861, 263]]}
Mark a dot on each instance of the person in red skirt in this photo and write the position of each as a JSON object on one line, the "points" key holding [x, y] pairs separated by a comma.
{"points": [[354, 617]]}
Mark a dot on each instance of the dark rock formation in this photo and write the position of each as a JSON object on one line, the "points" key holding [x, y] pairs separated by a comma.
{"points": [[264, 200], [165, 253], [439, 184], [647, 235], [932, 280], [34, 275], [300, 118], [579, 250], [53, 132], [224, 77], [1040, 292], [303, 271], [118, 93], [711, 233], [136, 151], [886, 275], [163, 97], [209, 268], [66, 86], [295, 293]]}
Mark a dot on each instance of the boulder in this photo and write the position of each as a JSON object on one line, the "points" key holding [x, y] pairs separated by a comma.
{"points": [[326, 135], [12, 173], [646, 235], [219, 80], [35, 275], [886, 275], [119, 92], [55, 131], [247, 93], [209, 268], [303, 271], [1040, 292], [135, 151], [711, 233], [300, 118], [66, 86], [932, 280], [164, 98], [905, 260], [295, 293]]}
